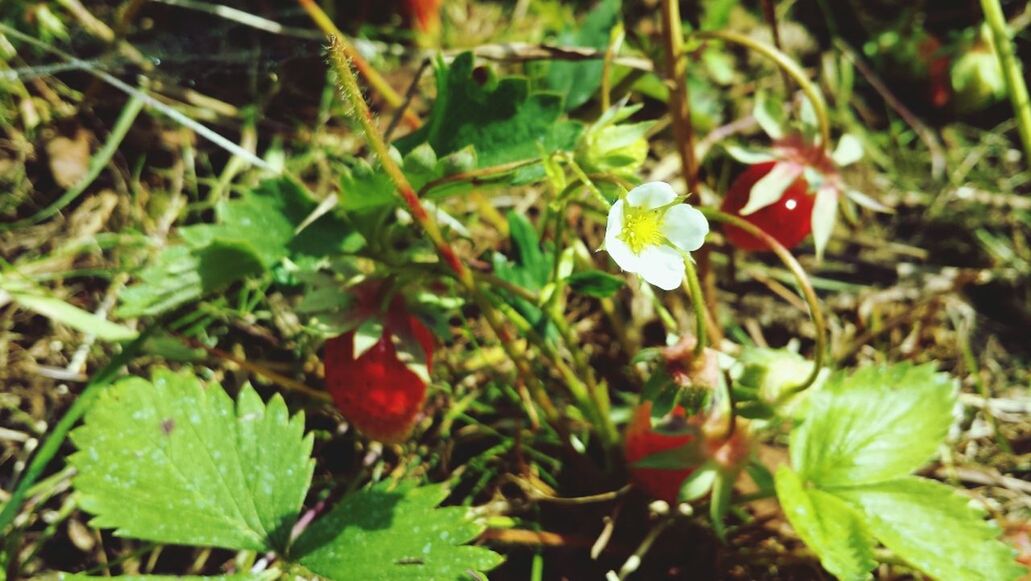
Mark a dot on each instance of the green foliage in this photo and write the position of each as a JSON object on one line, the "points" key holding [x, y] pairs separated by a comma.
{"points": [[384, 533], [852, 456], [530, 269], [611, 146], [935, 528], [579, 81], [828, 525], [855, 425], [500, 118], [174, 461], [595, 283], [64, 313], [253, 233]]}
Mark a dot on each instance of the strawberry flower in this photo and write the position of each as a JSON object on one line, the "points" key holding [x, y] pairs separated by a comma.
{"points": [[649, 233]]}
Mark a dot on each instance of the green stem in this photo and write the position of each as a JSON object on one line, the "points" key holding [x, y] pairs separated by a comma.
{"points": [[698, 303], [1012, 71], [801, 278], [789, 66], [352, 92]]}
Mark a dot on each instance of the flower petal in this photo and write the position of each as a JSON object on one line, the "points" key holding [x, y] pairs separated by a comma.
{"points": [[771, 187], [685, 227], [617, 249], [651, 195], [662, 266]]}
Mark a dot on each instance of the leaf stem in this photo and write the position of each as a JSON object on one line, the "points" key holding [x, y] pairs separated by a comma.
{"points": [[786, 64], [698, 303], [352, 92], [379, 84], [785, 256], [1012, 71]]}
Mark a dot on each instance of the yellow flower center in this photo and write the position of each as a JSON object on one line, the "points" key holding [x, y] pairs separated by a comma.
{"points": [[642, 228]]}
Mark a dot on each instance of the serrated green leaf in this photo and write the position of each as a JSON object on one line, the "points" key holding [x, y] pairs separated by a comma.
{"points": [[500, 118], [934, 528], [174, 461], [253, 233], [269, 575], [878, 424], [828, 525], [595, 283], [578, 81], [379, 533], [179, 275]]}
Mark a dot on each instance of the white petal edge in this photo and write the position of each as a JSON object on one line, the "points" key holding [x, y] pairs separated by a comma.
{"points": [[825, 215], [662, 266], [771, 186], [617, 249], [848, 151], [685, 227], [651, 195]]}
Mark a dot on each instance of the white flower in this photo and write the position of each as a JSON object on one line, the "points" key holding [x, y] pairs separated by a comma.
{"points": [[649, 234]]}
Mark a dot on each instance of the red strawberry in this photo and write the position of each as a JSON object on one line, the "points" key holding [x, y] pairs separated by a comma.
{"points": [[377, 392], [642, 441], [788, 220]]}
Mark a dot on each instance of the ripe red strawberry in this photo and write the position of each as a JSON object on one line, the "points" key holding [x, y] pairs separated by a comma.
{"points": [[643, 441], [788, 220], [377, 392]]}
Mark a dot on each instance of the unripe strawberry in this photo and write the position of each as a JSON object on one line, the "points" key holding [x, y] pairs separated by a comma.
{"points": [[377, 392], [788, 220]]}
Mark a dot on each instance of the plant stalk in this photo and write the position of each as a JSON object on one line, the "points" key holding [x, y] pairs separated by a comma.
{"points": [[1013, 73]]}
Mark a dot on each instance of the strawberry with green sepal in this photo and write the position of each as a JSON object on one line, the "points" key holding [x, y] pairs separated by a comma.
{"points": [[377, 372], [792, 189]]}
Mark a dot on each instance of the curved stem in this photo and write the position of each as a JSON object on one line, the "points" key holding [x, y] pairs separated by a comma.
{"points": [[352, 92], [786, 64], [698, 303], [477, 175], [679, 99], [815, 311]]}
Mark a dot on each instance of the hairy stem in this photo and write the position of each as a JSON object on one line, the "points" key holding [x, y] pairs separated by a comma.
{"points": [[353, 94], [379, 84]]}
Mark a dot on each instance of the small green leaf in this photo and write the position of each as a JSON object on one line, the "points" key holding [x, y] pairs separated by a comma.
{"points": [[878, 424], [828, 525], [769, 113], [500, 118], [595, 283], [934, 528], [580, 80], [748, 156], [174, 461], [380, 533], [269, 575], [699, 483], [253, 234]]}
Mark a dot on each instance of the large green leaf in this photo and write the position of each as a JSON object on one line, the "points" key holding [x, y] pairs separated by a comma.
{"points": [[580, 80], [934, 528], [880, 423], [253, 233], [384, 533], [174, 461], [828, 525], [500, 118]]}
